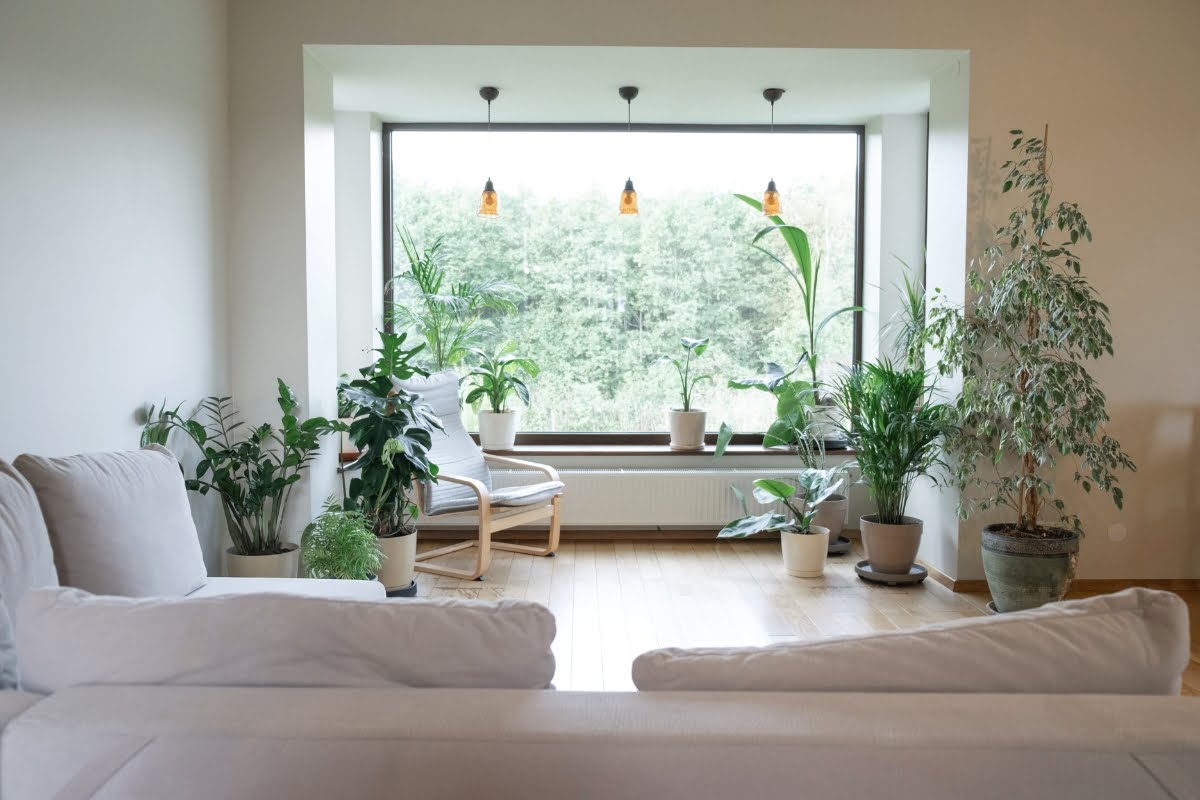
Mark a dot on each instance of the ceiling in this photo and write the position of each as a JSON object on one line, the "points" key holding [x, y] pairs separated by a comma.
{"points": [[678, 85]]}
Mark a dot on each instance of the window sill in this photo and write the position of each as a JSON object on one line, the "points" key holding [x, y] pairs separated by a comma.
{"points": [[639, 450]]}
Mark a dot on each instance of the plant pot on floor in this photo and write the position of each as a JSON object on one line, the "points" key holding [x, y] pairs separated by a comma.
{"points": [[399, 565], [275, 565], [831, 514], [804, 553], [687, 429], [1025, 571], [891, 549], [497, 430]]}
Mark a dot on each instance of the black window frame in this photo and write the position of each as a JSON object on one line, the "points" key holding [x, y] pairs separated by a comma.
{"points": [[585, 439]]}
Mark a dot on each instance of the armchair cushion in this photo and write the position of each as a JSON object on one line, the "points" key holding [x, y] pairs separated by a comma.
{"points": [[119, 522], [529, 495]]}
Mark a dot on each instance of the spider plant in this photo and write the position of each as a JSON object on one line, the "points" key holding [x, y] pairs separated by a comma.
{"points": [[452, 317], [894, 427], [694, 349], [498, 377]]}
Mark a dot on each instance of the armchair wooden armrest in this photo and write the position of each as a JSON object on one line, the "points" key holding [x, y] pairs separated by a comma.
{"points": [[481, 492], [550, 472]]}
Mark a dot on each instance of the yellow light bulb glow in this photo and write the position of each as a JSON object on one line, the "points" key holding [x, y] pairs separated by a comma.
{"points": [[629, 203], [771, 206], [489, 203]]}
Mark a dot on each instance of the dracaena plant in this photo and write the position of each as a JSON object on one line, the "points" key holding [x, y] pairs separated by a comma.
{"points": [[393, 431], [451, 317], [895, 429], [1022, 344], [500, 375], [693, 348], [252, 470], [800, 497]]}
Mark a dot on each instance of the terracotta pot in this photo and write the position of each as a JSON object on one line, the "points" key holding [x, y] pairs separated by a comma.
{"points": [[831, 514], [497, 431], [804, 553], [1026, 572], [399, 561], [891, 549], [687, 429], [280, 565]]}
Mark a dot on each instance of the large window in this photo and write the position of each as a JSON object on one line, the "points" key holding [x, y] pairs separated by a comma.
{"points": [[604, 294]]}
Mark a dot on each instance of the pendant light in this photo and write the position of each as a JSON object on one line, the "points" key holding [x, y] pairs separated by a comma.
{"points": [[628, 204], [771, 206], [489, 204]]}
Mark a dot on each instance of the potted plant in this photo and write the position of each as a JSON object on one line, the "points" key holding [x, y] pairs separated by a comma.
{"points": [[805, 272], [795, 410], [685, 423], [894, 427], [804, 543], [1022, 345], [392, 431], [496, 378], [340, 544], [451, 317], [252, 474]]}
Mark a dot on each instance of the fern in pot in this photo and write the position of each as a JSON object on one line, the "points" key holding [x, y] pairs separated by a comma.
{"points": [[496, 379], [805, 544], [895, 428], [1022, 345], [340, 544]]}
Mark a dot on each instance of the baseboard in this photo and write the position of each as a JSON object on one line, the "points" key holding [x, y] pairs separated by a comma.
{"points": [[1080, 585]]}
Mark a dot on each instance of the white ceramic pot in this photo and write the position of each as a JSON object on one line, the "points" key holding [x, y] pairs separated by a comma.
{"points": [[399, 561], [497, 431], [687, 429], [280, 565], [825, 419], [831, 514], [804, 553]]}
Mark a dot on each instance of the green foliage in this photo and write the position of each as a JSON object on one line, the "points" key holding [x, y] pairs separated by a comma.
{"points": [[894, 427], [340, 544], [801, 497], [452, 317], [795, 401], [694, 349], [498, 376], [253, 474], [392, 429], [1021, 346], [157, 429], [805, 272], [907, 325]]}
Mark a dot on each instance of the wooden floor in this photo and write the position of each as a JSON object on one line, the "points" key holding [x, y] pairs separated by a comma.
{"points": [[616, 599]]}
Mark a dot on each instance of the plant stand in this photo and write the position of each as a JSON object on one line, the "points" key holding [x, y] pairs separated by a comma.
{"points": [[404, 591], [915, 575], [842, 546]]}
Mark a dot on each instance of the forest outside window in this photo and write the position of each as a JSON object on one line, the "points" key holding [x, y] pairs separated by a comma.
{"points": [[601, 295]]}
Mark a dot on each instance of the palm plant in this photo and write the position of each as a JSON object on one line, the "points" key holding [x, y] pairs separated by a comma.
{"points": [[254, 474], [894, 427], [907, 325], [340, 544], [451, 317], [801, 497], [694, 349], [497, 377]]}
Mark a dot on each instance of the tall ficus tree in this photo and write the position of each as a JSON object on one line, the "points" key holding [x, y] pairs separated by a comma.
{"points": [[1022, 344]]}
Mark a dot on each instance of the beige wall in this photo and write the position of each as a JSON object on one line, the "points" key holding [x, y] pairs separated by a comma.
{"points": [[1116, 85]]}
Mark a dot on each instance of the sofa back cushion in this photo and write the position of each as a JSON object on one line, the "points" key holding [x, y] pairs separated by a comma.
{"points": [[119, 522], [66, 638], [1131, 642]]}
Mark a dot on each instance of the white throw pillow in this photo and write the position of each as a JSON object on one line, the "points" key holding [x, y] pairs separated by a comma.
{"points": [[1131, 642], [119, 522], [66, 637]]}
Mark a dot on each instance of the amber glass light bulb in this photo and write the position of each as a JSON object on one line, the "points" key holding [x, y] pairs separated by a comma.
{"points": [[489, 204], [770, 204], [629, 198]]}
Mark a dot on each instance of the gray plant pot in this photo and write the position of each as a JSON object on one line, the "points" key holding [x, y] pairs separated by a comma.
{"points": [[891, 549], [1026, 572]]}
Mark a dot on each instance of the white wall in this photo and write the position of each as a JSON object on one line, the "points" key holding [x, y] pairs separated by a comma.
{"points": [[113, 148], [1122, 129], [357, 137]]}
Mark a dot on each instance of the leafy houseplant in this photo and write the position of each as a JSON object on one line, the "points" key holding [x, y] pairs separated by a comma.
{"points": [[451, 317], [895, 429], [496, 378], [1027, 400], [795, 407], [392, 430], [686, 423], [804, 544], [907, 325], [340, 544], [253, 474]]}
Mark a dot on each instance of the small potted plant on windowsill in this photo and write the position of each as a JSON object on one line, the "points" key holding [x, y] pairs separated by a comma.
{"points": [[686, 423], [805, 544], [340, 544], [497, 378]]}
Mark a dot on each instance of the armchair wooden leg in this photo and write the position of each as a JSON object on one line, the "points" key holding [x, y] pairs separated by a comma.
{"points": [[551, 543]]}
